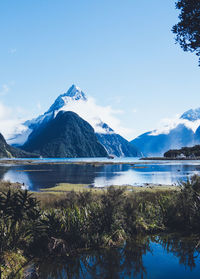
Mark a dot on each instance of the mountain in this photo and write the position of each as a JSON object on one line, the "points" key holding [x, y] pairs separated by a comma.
{"points": [[7, 151], [184, 131], [75, 100], [117, 145], [66, 135], [191, 115]]}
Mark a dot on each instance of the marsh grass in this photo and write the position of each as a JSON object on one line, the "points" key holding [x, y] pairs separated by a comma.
{"points": [[63, 193], [7, 185], [13, 262], [67, 187], [61, 222]]}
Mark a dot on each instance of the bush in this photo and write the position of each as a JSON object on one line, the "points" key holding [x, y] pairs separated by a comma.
{"points": [[86, 220]]}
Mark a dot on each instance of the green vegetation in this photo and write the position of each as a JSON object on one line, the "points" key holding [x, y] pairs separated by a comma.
{"points": [[186, 152], [13, 263], [66, 187], [8, 151], [61, 188], [188, 29], [65, 136], [48, 224]]}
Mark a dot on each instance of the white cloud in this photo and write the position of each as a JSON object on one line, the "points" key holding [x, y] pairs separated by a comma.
{"points": [[94, 114], [4, 89], [11, 119], [10, 123], [167, 124]]}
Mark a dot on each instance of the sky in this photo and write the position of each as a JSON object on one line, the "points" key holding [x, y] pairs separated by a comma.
{"points": [[121, 53]]}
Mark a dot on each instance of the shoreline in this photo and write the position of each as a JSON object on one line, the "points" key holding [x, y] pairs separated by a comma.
{"points": [[35, 162], [9, 162], [61, 188], [169, 159]]}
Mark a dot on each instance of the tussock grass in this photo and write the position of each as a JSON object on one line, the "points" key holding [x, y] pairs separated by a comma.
{"points": [[66, 187], [13, 264], [67, 221], [7, 185]]}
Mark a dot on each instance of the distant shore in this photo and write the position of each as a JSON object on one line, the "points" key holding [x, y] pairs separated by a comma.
{"points": [[37, 162], [91, 163], [169, 159]]}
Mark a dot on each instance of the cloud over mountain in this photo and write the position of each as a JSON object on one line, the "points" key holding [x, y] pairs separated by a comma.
{"points": [[167, 124], [94, 114], [173, 133], [10, 123]]}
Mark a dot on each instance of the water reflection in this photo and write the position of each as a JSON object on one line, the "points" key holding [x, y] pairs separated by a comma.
{"points": [[158, 257], [43, 176]]}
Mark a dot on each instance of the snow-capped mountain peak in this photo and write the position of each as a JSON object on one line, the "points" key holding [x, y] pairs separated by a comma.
{"points": [[74, 100], [191, 115], [74, 93], [173, 133]]}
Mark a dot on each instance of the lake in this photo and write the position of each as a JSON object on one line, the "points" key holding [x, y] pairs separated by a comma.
{"points": [[158, 257], [125, 171]]}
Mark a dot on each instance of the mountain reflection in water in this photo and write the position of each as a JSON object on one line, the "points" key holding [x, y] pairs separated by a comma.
{"points": [[155, 257], [48, 175]]}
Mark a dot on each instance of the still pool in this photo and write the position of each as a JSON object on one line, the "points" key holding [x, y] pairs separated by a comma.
{"points": [[158, 257]]}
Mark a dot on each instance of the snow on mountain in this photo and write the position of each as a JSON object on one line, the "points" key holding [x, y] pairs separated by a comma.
{"points": [[75, 100], [172, 134], [166, 125], [191, 115], [73, 94]]}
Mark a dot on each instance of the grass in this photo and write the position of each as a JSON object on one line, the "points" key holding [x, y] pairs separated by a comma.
{"points": [[67, 187], [52, 197], [154, 188], [6, 185], [14, 262], [66, 221], [61, 188]]}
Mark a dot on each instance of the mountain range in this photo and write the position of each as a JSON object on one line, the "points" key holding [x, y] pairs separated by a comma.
{"points": [[182, 132], [87, 135], [33, 136]]}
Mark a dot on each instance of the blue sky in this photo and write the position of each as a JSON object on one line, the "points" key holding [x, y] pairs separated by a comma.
{"points": [[122, 53]]}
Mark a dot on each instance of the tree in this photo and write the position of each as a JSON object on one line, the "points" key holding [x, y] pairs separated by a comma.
{"points": [[188, 29]]}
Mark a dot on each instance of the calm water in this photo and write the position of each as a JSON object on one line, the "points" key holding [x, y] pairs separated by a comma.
{"points": [[44, 176], [155, 258]]}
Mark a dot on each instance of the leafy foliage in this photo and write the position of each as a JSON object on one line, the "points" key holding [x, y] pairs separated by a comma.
{"points": [[86, 220], [188, 152], [188, 29], [19, 215]]}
